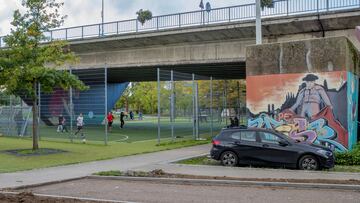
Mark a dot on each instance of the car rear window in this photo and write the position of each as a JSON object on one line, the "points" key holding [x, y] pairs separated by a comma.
{"points": [[248, 136]]}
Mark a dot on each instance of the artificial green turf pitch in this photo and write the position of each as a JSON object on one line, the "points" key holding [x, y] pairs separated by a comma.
{"points": [[133, 130]]}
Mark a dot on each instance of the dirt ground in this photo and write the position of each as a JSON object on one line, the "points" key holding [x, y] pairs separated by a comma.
{"points": [[27, 197]]}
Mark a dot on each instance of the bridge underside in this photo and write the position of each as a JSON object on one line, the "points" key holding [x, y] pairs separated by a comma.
{"points": [[230, 70]]}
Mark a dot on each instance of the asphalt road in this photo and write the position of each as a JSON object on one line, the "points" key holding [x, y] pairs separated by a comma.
{"points": [[142, 191]]}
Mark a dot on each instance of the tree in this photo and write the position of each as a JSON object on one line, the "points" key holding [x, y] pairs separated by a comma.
{"points": [[143, 16], [27, 62], [267, 3]]}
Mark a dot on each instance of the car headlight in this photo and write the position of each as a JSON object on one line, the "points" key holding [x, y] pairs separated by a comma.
{"points": [[324, 152]]}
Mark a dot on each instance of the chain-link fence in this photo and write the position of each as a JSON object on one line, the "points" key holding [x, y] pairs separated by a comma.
{"points": [[190, 106], [15, 116]]}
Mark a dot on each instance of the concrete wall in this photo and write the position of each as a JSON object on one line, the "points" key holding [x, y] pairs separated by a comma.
{"points": [[307, 89]]}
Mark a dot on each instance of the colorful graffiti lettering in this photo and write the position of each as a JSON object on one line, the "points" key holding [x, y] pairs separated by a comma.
{"points": [[300, 129]]}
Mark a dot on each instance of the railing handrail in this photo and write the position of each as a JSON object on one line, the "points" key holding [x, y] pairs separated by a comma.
{"points": [[193, 21]]}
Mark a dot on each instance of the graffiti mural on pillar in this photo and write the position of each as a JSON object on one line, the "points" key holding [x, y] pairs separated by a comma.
{"points": [[306, 107]]}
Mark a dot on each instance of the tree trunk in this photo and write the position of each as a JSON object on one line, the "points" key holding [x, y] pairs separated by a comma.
{"points": [[35, 122]]}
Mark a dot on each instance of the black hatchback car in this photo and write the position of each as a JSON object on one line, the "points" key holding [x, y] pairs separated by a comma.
{"points": [[255, 146]]}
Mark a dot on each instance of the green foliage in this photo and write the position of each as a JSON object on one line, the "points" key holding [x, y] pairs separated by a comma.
{"points": [[202, 160], [109, 173], [27, 62], [267, 3], [142, 96], [143, 16], [349, 158]]}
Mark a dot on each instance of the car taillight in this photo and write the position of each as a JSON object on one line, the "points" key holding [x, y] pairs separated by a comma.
{"points": [[215, 142]]}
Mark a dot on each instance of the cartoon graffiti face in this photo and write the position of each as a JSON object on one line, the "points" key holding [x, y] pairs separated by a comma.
{"points": [[310, 84]]}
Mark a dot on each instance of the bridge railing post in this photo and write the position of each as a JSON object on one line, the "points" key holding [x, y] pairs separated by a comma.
{"points": [[117, 28], [137, 26], [157, 22], [51, 35], [327, 5], [99, 29], [229, 12], [179, 19], [66, 34], [82, 32], [287, 7], [317, 6]]}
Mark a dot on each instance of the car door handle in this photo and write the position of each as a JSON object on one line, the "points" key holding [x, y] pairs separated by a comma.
{"points": [[265, 145], [237, 143]]}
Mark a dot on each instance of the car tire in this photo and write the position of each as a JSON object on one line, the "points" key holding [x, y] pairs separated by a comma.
{"points": [[229, 158], [309, 162]]}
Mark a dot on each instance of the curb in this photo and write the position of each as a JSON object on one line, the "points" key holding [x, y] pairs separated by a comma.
{"points": [[69, 197], [231, 182], [40, 184]]}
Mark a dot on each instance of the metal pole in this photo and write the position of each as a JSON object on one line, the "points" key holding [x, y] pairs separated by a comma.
{"points": [[258, 22], [193, 101], [211, 107], [102, 18], [159, 111], [287, 7], [39, 110], [11, 112], [197, 109], [225, 102], [106, 107], [71, 111], [172, 105]]}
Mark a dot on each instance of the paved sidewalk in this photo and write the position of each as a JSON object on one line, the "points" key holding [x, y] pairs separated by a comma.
{"points": [[60, 173], [162, 160]]}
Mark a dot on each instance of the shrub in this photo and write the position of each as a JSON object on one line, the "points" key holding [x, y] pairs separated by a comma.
{"points": [[349, 158]]}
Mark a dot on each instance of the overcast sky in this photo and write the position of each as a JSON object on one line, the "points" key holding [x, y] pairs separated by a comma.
{"points": [[81, 12]]}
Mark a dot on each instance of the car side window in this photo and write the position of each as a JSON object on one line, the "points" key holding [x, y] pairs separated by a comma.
{"points": [[235, 135], [248, 136], [269, 138]]}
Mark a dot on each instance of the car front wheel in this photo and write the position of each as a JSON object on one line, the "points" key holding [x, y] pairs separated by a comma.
{"points": [[229, 158], [308, 162]]}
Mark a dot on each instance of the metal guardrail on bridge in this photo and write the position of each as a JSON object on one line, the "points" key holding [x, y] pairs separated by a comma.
{"points": [[198, 18]]}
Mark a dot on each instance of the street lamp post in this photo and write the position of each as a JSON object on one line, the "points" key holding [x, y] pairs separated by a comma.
{"points": [[258, 22]]}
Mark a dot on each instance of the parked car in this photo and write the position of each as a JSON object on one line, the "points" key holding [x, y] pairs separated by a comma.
{"points": [[256, 146]]}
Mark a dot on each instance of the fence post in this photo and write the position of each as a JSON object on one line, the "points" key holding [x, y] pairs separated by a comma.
{"points": [[99, 30], [71, 110], [179, 20], [66, 33], [51, 36], [193, 107], [172, 105], [158, 97], [106, 107], [0, 41], [39, 111], [211, 106]]}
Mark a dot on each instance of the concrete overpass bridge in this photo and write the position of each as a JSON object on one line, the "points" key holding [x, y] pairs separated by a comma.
{"points": [[206, 43]]}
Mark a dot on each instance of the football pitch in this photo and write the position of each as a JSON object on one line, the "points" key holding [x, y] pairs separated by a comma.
{"points": [[134, 130]]}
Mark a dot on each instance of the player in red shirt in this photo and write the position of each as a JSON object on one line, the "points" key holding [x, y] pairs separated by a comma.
{"points": [[110, 119]]}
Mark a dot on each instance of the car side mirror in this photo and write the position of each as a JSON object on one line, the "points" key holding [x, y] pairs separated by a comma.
{"points": [[283, 143]]}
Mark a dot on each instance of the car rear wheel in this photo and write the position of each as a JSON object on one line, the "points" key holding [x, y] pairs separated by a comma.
{"points": [[229, 158], [309, 162]]}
